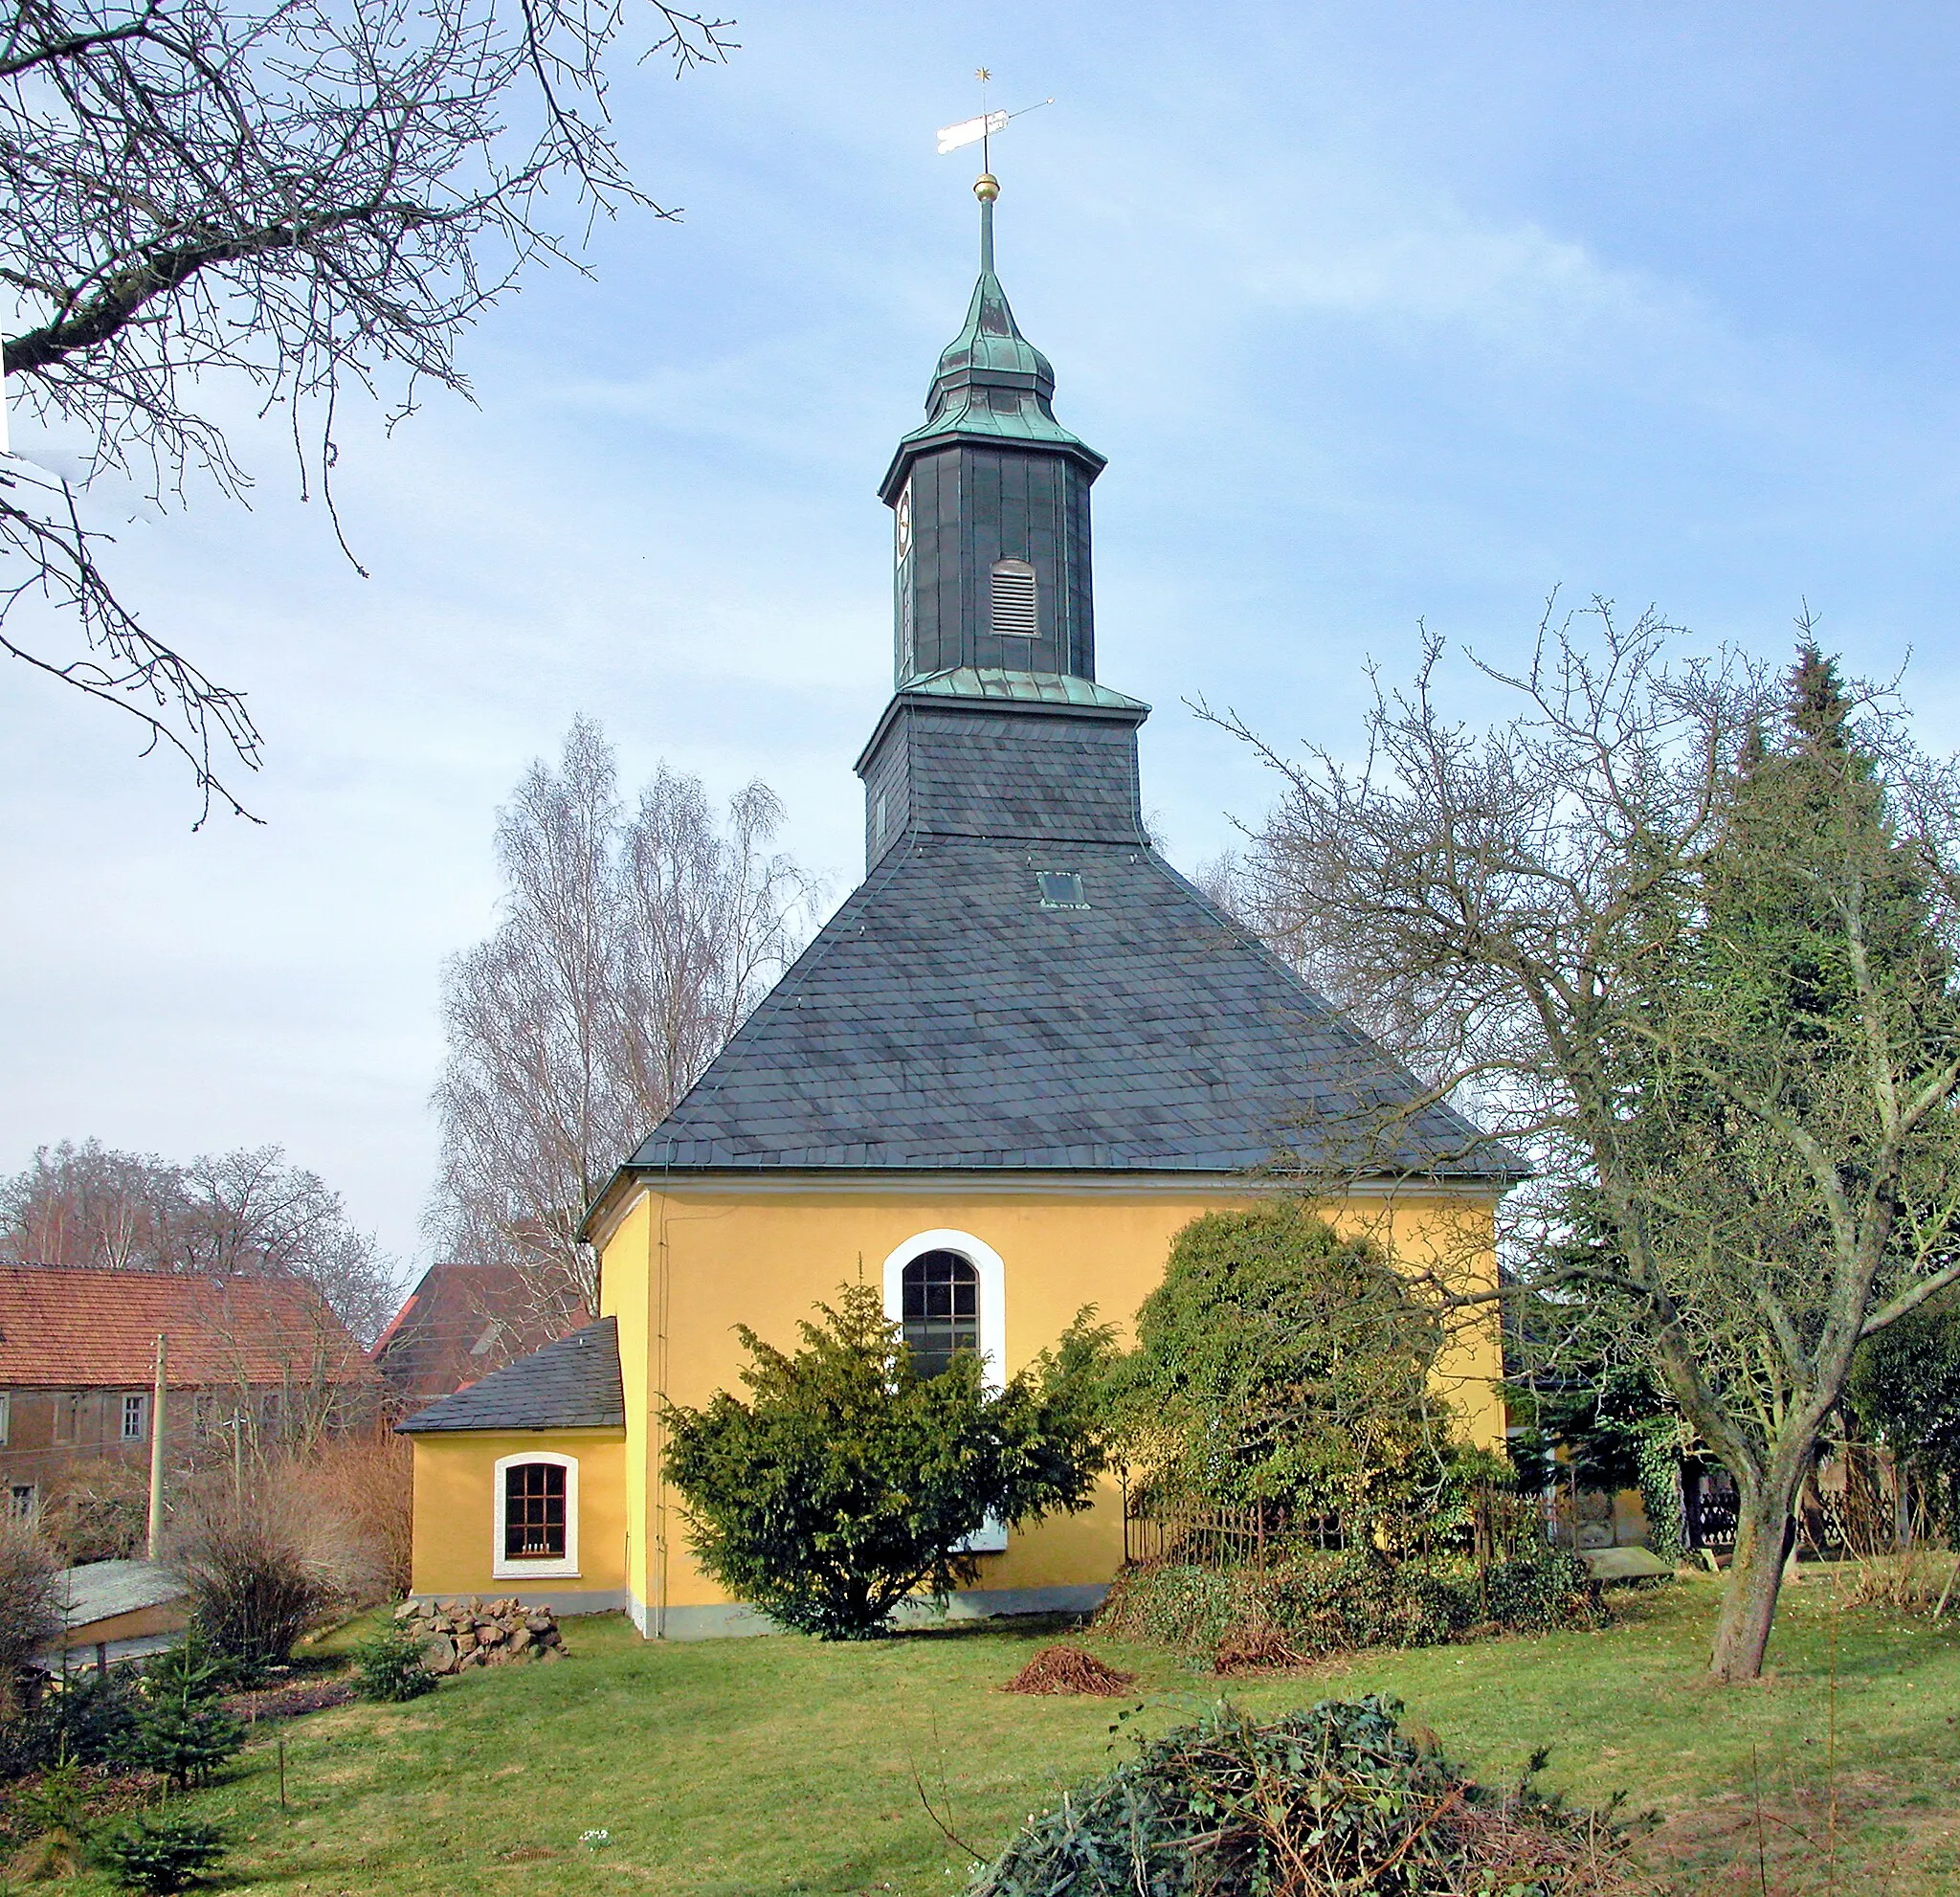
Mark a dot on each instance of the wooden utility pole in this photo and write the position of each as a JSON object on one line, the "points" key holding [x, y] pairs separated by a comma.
{"points": [[156, 1451]]}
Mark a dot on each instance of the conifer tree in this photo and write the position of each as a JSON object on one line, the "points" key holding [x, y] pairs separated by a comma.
{"points": [[1684, 936]]}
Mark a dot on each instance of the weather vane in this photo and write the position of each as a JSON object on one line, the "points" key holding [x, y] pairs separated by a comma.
{"points": [[981, 132]]}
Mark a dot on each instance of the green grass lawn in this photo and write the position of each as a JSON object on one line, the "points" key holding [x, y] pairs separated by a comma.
{"points": [[784, 1765]]}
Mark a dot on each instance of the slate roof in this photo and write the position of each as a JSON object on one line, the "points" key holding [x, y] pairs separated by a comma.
{"points": [[946, 1019], [572, 1384], [71, 1327]]}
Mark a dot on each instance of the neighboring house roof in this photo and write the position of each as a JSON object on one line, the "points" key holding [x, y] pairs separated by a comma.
{"points": [[103, 1590], [464, 1321], [68, 1327], [572, 1384], [948, 1017]]}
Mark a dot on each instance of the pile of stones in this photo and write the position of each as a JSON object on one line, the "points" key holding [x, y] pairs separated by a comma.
{"points": [[457, 1634]]}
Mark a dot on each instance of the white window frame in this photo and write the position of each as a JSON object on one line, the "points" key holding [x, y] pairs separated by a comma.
{"points": [[23, 1501], [992, 1270], [518, 1567], [140, 1400], [6, 1416]]}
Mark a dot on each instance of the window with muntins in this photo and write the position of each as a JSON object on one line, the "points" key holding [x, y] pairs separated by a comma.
{"points": [[1013, 599], [941, 1294], [534, 1511], [135, 1419]]}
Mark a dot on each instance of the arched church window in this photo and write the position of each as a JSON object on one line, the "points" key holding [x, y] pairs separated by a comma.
{"points": [[1013, 599], [941, 1309]]}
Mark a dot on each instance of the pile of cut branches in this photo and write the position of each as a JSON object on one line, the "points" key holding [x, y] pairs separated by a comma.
{"points": [[1331, 1802]]}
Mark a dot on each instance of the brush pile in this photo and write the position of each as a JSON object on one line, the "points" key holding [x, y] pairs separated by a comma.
{"points": [[1068, 1669], [1335, 1800]]}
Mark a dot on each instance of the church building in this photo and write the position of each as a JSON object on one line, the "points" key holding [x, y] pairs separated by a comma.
{"points": [[1017, 1060]]}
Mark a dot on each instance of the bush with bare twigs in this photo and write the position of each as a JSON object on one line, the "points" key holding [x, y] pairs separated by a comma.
{"points": [[263, 1565], [96, 1511], [30, 1611], [366, 1484]]}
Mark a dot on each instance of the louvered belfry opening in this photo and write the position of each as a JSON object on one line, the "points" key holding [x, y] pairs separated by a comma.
{"points": [[941, 1303], [1014, 600]]}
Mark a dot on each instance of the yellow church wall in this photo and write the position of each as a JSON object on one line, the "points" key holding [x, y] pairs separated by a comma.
{"points": [[456, 1516], [712, 1257]]}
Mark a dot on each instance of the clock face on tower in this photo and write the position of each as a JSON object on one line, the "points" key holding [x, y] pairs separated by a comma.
{"points": [[904, 521]]}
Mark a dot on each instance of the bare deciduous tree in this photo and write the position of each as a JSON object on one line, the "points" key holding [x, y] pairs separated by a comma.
{"points": [[1693, 953], [244, 1214], [277, 199], [632, 945]]}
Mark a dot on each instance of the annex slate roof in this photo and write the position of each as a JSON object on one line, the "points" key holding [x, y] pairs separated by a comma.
{"points": [[69, 1328], [945, 1018], [572, 1384]]}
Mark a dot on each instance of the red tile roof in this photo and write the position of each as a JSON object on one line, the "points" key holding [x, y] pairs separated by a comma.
{"points": [[71, 1328], [464, 1321]]}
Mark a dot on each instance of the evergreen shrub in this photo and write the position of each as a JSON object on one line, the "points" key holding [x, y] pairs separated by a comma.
{"points": [[388, 1665], [848, 1481], [182, 1732], [1336, 1799], [161, 1855], [1553, 1589], [86, 1719]]}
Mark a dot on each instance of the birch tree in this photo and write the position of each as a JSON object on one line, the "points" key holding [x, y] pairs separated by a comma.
{"points": [[1682, 935], [632, 945]]}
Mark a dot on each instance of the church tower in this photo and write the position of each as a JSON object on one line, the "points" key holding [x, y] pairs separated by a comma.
{"points": [[997, 727], [989, 498]]}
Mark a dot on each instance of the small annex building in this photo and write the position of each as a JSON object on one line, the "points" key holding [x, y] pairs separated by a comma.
{"points": [[1023, 1054]]}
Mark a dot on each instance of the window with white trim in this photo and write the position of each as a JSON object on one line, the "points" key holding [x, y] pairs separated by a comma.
{"points": [[954, 1308], [22, 1502], [136, 1418], [5, 1414], [536, 1529], [1012, 589]]}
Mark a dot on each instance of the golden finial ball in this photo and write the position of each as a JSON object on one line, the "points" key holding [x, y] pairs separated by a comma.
{"points": [[987, 188]]}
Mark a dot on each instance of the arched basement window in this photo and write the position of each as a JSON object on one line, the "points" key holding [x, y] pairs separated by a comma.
{"points": [[1013, 599], [940, 1304]]}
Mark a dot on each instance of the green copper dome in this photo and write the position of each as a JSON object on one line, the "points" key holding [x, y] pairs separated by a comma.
{"points": [[992, 384]]}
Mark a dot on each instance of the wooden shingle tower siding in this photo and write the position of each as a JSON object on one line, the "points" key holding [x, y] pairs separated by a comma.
{"points": [[1021, 1057]]}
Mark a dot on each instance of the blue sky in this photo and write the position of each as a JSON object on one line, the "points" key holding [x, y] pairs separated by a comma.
{"points": [[1381, 313]]}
